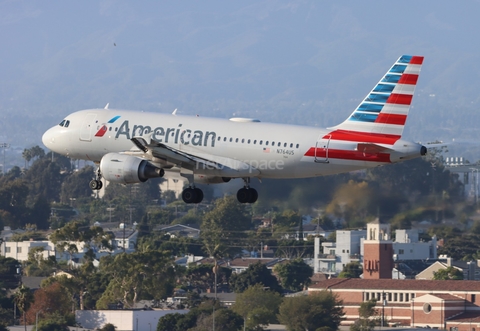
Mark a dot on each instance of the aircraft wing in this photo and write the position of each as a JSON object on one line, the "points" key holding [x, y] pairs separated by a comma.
{"points": [[167, 156]]}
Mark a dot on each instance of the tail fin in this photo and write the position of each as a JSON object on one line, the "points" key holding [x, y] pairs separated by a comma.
{"points": [[385, 109]]}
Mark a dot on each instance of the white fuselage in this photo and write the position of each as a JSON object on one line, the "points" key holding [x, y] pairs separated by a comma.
{"points": [[275, 150]]}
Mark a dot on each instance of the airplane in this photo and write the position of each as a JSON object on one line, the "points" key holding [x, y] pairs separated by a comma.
{"points": [[131, 146]]}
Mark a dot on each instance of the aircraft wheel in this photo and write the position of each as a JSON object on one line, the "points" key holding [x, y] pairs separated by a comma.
{"points": [[95, 184], [253, 195], [247, 195], [189, 195], [199, 194]]}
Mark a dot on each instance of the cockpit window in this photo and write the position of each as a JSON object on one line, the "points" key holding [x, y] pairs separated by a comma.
{"points": [[62, 123], [67, 123]]}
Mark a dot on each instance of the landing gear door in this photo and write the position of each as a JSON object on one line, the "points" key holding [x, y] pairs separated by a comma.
{"points": [[88, 126], [321, 149]]}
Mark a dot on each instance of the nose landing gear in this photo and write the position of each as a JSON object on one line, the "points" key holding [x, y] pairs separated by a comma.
{"points": [[96, 184]]}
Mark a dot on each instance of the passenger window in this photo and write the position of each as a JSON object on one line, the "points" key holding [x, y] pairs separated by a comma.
{"points": [[248, 142], [225, 138], [255, 142], [279, 144], [110, 129], [236, 140], [297, 145], [291, 145], [243, 140], [231, 139], [273, 143], [219, 138], [266, 143], [285, 145], [261, 141]]}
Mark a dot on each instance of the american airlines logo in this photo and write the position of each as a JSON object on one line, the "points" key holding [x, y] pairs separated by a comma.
{"points": [[168, 135]]}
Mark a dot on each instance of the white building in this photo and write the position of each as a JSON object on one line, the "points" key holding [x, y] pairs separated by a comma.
{"points": [[125, 320], [349, 248], [336, 255]]}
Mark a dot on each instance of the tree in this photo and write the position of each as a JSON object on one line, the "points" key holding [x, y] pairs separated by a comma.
{"points": [[23, 299], [140, 275], [367, 314], [225, 320], [351, 270], [51, 299], [224, 227], [256, 273], [257, 306], [294, 275], [317, 310], [448, 273], [75, 185]]}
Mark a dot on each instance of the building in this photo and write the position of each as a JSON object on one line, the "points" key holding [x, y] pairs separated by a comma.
{"points": [[125, 320], [337, 254], [350, 245], [377, 251], [469, 269], [444, 304], [180, 230], [241, 264]]}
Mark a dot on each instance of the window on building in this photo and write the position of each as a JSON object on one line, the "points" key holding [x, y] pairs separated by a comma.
{"points": [[406, 297], [367, 296], [401, 297], [389, 297], [7, 249], [401, 251], [472, 298], [395, 297], [19, 249]]}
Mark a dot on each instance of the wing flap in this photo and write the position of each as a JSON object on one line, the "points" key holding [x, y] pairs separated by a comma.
{"points": [[198, 162]]}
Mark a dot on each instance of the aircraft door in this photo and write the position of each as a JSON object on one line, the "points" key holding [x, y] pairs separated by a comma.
{"points": [[88, 126], [321, 149]]}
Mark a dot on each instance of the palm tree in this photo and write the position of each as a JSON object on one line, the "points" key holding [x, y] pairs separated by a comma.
{"points": [[23, 298], [27, 155]]}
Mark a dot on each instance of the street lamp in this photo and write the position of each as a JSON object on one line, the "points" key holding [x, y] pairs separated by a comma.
{"points": [[36, 319]]}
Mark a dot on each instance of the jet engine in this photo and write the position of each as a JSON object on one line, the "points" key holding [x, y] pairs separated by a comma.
{"points": [[126, 169], [201, 179]]}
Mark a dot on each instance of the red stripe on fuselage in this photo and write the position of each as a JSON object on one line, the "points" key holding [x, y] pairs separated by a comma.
{"points": [[409, 79], [362, 137], [391, 119], [321, 153], [400, 99]]}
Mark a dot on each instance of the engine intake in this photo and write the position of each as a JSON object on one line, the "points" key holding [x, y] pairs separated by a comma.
{"points": [[126, 169]]}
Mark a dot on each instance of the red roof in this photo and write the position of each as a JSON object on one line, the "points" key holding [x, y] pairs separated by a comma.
{"points": [[395, 284]]}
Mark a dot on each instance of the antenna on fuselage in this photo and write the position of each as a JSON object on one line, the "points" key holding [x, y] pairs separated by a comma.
{"points": [[106, 106], [174, 112]]}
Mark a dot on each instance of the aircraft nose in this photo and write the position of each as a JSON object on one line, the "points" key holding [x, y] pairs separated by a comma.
{"points": [[48, 139]]}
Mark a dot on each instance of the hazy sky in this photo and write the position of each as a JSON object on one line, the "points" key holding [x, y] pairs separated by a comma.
{"points": [[304, 62]]}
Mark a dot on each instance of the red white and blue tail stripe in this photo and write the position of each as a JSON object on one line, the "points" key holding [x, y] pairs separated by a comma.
{"points": [[384, 111]]}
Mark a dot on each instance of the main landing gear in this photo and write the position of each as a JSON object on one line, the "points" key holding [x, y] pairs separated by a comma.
{"points": [[246, 194], [96, 184], [192, 195]]}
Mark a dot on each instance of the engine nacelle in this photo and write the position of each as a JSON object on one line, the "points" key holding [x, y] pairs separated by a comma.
{"points": [[126, 169], [202, 179]]}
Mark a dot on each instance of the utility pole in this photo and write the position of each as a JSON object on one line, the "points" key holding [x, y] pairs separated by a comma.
{"points": [[4, 146]]}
